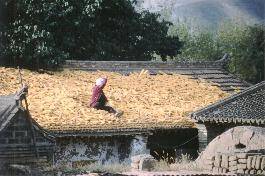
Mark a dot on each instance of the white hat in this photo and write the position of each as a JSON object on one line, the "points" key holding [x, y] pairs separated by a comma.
{"points": [[101, 81]]}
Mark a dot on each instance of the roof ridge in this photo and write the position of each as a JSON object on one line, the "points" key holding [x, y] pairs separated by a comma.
{"points": [[229, 99]]}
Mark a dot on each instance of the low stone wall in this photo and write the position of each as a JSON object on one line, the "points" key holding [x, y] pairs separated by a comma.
{"points": [[240, 163]]}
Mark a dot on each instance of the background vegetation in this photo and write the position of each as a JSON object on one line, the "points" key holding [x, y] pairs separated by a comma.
{"points": [[244, 44], [42, 34]]}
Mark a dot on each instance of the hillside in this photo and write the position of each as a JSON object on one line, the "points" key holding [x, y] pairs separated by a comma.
{"points": [[60, 102], [207, 12]]}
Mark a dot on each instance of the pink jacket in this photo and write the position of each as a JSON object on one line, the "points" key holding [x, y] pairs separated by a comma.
{"points": [[97, 92]]}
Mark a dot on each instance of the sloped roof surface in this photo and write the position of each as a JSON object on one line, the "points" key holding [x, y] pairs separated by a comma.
{"points": [[245, 107], [8, 108], [212, 71], [59, 102]]}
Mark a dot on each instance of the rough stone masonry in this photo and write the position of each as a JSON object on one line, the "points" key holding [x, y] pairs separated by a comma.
{"points": [[239, 150]]}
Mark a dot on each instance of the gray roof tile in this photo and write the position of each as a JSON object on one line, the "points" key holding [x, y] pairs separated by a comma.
{"points": [[247, 106], [8, 109]]}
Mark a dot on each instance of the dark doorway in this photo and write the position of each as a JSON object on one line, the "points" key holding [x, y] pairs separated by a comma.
{"points": [[170, 145]]}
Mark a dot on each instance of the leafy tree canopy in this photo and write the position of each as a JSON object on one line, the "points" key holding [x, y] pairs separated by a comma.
{"points": [[245, 44], [42, 33]]}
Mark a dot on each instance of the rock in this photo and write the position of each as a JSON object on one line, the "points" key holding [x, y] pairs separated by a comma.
{"points": [[249, 162], [262, 165], [208, 167], [240, 171], [259, 171], [246, 171], [208, 162], [147, 164], [253, 163], [241, 166], [217, 161], [246, 136], [242, 161], [252, 171], [232, 163], [215, 170], [224, 170], [233, 168], [211, 158], [258, 162], [224, 162], [241, 155], [232, 158]]}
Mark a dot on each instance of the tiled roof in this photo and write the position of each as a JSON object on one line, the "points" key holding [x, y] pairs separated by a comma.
{"points": [[209, 70], [247, 107], [9, 106], [8, 109]]}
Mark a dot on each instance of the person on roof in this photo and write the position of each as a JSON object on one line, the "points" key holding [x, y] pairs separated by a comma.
{"points": [[99, 99]]}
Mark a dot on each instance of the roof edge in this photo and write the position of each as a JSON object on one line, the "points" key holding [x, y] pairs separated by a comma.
{"points": [[110, 132], [182, 63], [248, 90]]}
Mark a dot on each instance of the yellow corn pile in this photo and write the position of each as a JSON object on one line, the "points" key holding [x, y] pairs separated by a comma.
{"points": [[60, 101]]}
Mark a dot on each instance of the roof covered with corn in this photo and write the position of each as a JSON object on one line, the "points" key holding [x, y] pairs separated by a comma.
{"points": [[59, 101]]}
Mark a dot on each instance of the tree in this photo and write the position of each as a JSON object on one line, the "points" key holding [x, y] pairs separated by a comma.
{"points": [[245, 45], [43, 33]]}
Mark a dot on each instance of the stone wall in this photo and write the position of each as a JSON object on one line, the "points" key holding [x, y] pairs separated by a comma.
{"points": [[238, 150], [241, 163], [208, 131], [72, 151]]}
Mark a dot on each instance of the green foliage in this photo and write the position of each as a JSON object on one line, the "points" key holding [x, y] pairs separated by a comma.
{"points": [[244, 44], [42, 33]]}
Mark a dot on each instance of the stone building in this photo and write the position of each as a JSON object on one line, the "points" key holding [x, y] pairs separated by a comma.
{"points": [[244, 108], [119, 145], [81, 146], [22, 140], [114, 146]]}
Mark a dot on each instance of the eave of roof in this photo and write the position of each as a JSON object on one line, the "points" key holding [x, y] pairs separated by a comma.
{"points": [[111, 132], [196, 115], [13, 107]]}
